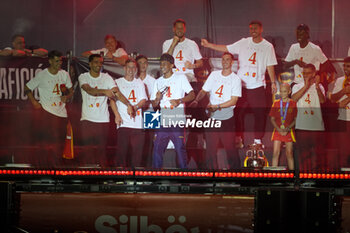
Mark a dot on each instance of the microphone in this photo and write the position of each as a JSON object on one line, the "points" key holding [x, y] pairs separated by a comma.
{"points": [[165, 89], [64, 89]]}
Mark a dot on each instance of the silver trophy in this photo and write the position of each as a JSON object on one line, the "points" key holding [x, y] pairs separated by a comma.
{"points": [[255, 157]]}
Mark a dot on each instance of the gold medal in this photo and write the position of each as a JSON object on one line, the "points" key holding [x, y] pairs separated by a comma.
{"points": [[282, 127]]}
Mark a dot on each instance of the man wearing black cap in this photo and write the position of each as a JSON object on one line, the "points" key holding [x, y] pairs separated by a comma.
{"points": [[303, 52], [169, 94]]}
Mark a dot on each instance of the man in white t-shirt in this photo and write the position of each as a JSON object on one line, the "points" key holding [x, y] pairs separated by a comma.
{"points": [[171, 92], [224, 88], [302, 53], [110, 51], [255, 56], [50, 114], [185, 51], [148, 80], [309, 126], [96, 89], [130, 130], [341, 95]]}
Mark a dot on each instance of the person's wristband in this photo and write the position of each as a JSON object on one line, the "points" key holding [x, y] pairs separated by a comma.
{"points": [[218, 106]]}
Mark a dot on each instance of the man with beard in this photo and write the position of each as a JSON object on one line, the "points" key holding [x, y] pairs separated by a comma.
{"points": [[255, 56], [96, 89], [185, 51], [50, 112]]}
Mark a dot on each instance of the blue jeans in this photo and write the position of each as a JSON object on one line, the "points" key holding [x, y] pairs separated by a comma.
{"points": [[163, 136]]}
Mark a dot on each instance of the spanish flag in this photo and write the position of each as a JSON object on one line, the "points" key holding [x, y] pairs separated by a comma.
{"points": [[68, 152]]}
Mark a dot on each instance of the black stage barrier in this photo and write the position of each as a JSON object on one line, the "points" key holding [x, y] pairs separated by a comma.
{"points": [[171, 201]]}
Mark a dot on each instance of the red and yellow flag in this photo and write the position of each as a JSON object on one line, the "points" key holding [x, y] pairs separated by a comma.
{"points": [[68, 152]]}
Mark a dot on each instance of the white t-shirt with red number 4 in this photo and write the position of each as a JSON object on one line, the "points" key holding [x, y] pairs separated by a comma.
{"points": [[176, 87], [95, 108], [309, 109], [253, 59], [49, 87], [310, 54], [221, 89], [186, 50], [134, 91]]}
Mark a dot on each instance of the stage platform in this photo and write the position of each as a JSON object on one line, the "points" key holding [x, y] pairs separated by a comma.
{"points": [[149, 200], [243, 181]]}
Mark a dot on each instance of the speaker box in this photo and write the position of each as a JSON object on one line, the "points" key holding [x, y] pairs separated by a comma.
{"points": [[296, 211], [9, 206]]}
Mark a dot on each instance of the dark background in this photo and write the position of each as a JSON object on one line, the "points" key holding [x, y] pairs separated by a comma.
{"points": [[142, 26]]}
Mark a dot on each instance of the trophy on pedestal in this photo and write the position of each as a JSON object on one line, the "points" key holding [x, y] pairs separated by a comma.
{"points": [[255, 157]]}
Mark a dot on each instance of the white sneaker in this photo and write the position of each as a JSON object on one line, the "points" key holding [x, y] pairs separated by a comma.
{"points": [[170, 145]]}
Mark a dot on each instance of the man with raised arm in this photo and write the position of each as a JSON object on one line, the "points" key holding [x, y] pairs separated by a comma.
{"points": [[255, 56], [185, 51]]}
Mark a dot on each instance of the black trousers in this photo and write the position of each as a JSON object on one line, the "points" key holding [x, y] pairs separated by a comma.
{"points": [[255, 100], [130, 147], [310, 150], [93, 137], [49, 135], [226, 136]]}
